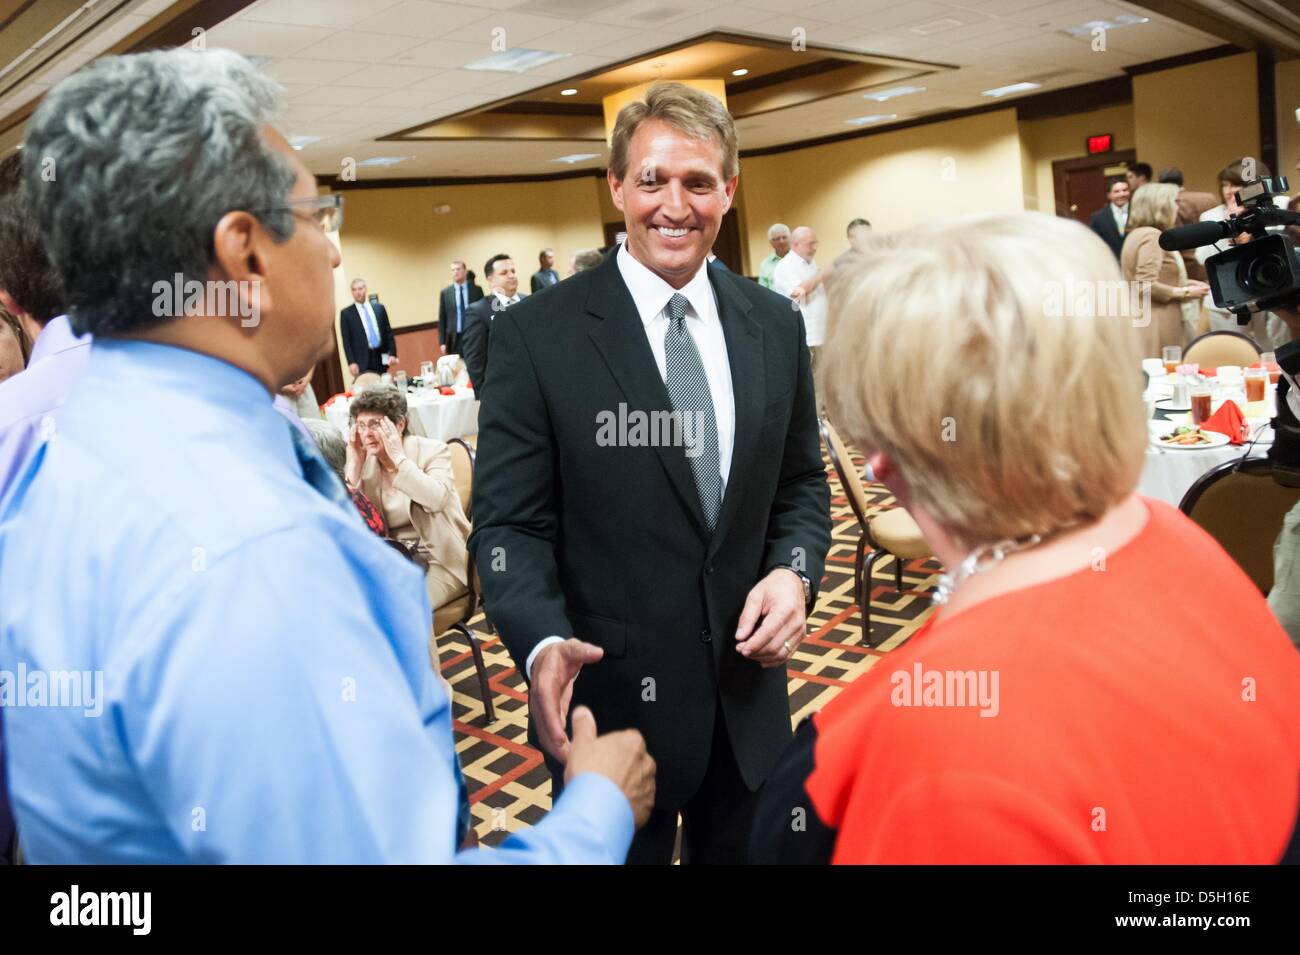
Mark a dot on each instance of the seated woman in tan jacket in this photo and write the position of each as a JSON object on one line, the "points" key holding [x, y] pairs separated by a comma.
{"points": [[410, 479], [1153, 210]]}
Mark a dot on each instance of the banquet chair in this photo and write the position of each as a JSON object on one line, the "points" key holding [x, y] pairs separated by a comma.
{"points": [[887, 532], [1223, 347], [1240, 506], [456, 613]]}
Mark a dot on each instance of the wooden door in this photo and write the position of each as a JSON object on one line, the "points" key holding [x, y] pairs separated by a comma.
{"points": [[1081, 184]]}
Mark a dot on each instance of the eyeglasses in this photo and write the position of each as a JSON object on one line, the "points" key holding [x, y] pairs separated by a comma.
{"points": [[326, 211], [376, 425]]}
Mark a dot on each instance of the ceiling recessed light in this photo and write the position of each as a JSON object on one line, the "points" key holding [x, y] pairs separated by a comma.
{"points": [[935, 26], [569, 92], [740, 72], [297, 142], [384, 161], [575, 157], [518, 60], [873, 118], [1114, 23], [1013, 88], [882, 95]]}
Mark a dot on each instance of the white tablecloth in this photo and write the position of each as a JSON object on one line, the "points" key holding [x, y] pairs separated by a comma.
{"points": [[1168, 473], [430, 414]]}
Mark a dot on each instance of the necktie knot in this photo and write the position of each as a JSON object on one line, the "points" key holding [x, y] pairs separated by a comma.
{"points": [[677, 306]]}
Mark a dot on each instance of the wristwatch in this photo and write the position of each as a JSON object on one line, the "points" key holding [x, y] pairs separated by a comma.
{"points": [[807, 584]]}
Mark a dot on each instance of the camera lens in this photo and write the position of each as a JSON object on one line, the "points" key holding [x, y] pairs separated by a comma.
{"points": [[1265, 274]]}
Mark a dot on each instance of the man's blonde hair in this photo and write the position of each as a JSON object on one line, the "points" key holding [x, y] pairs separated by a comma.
{"points": [[969, 353], [1155, 204], [698, 114]]}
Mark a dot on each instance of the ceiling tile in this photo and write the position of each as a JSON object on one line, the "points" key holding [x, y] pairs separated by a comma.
{"points": [[442, 54], [335, 96], [390, 76], [263, 39], [313, 72], [509, 28], [358, 47], [320, 13], [424, 19]]}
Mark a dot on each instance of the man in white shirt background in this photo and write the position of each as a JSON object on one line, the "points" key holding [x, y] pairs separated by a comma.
{"points": [[798, 278], [778, 236]]}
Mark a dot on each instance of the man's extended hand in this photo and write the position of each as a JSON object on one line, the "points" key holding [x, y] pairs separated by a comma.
{"points": [[773, 620], [620, 757], [554, 670]]}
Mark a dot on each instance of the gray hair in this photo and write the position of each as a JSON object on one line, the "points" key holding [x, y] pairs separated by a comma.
{"points": [[779, 229], [587, 259], [330, 443], [149, 151]]}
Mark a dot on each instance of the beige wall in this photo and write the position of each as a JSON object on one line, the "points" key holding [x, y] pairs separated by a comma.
{"points": [[894, 179], [1287, 80], [1198, 117], [395, 241], [1043, 141]]}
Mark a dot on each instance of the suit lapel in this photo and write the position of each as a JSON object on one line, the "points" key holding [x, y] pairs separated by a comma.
{"points": [[744, 337], [620, 338]]}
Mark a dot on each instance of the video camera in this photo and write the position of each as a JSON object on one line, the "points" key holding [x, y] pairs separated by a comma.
{"points": [[1260, 275]]}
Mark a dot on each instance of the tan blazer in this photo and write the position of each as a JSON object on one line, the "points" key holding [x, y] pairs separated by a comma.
{"points": [[1190, 207], [425, 478], [1142, 260]]}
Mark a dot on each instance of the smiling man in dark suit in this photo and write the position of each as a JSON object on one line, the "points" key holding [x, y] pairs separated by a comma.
{"points": [[367, 336], [1110, 220], [651, 507], [453, 303]]}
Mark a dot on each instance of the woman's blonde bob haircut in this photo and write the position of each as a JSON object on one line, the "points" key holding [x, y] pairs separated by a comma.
{"points": [[1155, 204], [973, 354], [697, 114]]}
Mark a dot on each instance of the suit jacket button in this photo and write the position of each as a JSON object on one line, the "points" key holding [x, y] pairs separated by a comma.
{"points": [[708, 569], [704, 636]]}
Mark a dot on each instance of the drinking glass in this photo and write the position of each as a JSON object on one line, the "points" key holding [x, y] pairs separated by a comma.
{"points": [[1173, 356]]}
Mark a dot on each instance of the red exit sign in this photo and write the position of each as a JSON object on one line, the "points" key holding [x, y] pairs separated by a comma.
{"points": [[1102, 143]]}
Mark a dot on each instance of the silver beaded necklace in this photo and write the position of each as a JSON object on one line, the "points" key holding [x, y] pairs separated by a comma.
{"points": [[981, 560]]}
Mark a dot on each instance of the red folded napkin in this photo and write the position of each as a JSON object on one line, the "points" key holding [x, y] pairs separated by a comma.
{"points": [[1227, 420], [447, 391]]}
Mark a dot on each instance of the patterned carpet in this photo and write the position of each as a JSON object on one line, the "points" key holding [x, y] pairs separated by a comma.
{"points": [[508, 784]]}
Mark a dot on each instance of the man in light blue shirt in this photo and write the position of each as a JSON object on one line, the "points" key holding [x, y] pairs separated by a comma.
{"points": [[240, 664]]}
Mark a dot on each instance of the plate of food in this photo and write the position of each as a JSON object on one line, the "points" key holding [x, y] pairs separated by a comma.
{"points": [[1190, 438]]}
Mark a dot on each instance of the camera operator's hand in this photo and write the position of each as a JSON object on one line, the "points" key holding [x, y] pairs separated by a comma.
{"points": [[1292, 318]]}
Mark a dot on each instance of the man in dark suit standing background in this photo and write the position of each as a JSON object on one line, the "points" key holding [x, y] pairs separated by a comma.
{"points": [[1111, 219], [367, 336], [651, 506], [504, 282], [545, 276], [454, 301]]}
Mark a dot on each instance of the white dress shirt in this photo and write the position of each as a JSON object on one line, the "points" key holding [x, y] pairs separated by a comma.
{"points": [[650, 294], [1120, 214], [789, 272]]}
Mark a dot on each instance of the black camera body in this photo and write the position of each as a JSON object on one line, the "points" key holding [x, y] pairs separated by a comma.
{"points": [[1259, 275], [1262, 274]]}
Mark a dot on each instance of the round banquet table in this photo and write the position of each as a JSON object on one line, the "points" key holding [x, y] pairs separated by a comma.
{"points": [[430, 413], [1169, 472]]}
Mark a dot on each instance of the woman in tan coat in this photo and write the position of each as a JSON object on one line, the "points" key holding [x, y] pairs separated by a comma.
{"points": [[1153, 210], [410, 479]]}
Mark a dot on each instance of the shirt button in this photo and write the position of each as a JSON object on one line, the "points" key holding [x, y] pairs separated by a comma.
{"points": [[708, 568], [704, 637]]}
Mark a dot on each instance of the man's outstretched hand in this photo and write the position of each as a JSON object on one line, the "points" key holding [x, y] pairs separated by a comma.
{"points": [[620, 757], [554, 670]]}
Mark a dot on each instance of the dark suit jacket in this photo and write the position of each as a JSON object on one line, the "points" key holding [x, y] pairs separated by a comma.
{"points": [[447, 310], [474, 342], [1103, 223], [544, 278], [355, 344], [608, 543]]}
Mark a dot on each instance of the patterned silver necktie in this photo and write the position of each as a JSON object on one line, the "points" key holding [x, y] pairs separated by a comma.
{"points": [[688, 389]]}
